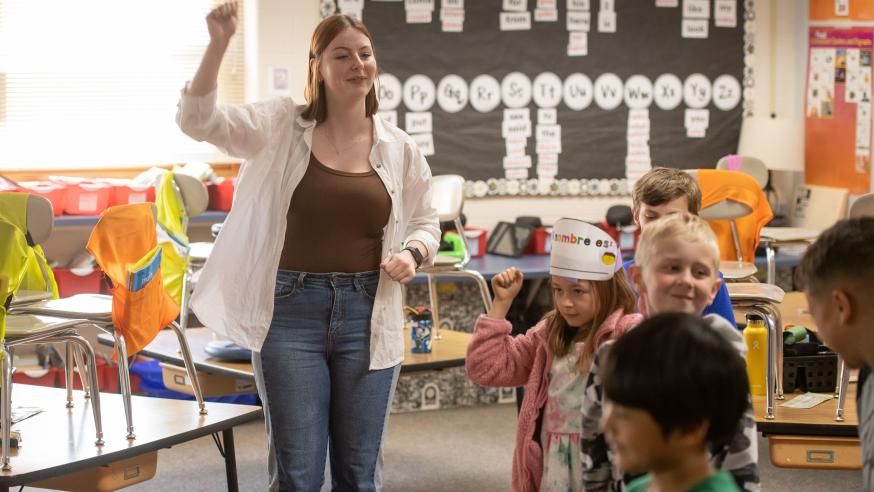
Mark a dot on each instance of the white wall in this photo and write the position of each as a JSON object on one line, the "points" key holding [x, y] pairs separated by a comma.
{"points": [[283, 34], [282, 31]]}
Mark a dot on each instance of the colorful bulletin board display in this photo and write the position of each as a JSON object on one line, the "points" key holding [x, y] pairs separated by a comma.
{"points": [[838, 108], [561, 97]]}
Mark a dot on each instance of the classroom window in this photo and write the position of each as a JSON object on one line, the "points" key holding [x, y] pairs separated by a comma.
{"points": [[94, 83]]}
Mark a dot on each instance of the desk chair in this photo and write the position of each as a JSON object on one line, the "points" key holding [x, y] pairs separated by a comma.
{"points": [[447, 197], [763, 300], [99, 309], [738, 204], [179, 197], [35, 216], [186, 197], [861, 207], [18, 330], [753, 166]]}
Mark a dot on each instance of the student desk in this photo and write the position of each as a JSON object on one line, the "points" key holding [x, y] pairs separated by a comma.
{"points": [[59, 441], [810, 438], [449, 351]]}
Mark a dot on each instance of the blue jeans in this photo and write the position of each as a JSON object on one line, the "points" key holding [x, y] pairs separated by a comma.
{"points": [[319, 387]]}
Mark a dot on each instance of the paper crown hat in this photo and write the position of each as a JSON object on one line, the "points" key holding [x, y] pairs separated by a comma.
{"points": [[582, 251]]}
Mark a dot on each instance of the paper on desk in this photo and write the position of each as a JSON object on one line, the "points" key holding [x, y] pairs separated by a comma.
{"points": [[807, 400]]}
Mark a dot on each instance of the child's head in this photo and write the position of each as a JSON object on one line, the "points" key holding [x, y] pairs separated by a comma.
{"points": [[664, 191], [585, 290], [580, 308], [836, 272], [677, 265], [674, 388]]}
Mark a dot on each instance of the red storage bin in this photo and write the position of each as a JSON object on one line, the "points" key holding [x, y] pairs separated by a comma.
{"points": [[87, 198], [71, 283], [122, 194], [54, 192], [221, 194], [38, 376]]}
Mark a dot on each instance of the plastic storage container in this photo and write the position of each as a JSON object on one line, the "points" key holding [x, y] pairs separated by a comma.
{"points": [[56, 193], [221, 194], [815, 373], [87, 198]]}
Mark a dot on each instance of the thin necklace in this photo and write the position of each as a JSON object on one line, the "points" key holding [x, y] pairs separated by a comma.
{"points": [[337, 151]]}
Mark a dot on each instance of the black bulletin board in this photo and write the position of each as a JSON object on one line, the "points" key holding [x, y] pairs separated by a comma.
{"points": [[647, 42]]}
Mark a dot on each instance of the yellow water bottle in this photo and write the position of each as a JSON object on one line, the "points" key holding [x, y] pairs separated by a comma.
{"points": [[756, 338]]}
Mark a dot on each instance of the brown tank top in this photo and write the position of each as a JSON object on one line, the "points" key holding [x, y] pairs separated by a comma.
{"points": [[335, 221]]}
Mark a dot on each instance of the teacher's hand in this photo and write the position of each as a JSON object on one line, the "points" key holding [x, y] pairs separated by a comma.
{"points": [[400, 267]]}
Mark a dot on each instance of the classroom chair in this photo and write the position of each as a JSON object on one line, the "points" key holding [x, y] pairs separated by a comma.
{"points": [[39, 280], [16, 330], [447, 197], [132, 316], [178, 198], [753, 166], [735, 200], [764, 300]]}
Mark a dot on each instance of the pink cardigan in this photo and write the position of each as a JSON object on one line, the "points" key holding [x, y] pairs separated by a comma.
{"points": [[494, 358]]}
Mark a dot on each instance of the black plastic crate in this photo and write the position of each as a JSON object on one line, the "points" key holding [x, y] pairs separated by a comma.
{"points": [[814, 373]]}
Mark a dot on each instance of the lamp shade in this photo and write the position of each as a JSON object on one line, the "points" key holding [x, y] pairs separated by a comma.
{"points": [[778, 142]]}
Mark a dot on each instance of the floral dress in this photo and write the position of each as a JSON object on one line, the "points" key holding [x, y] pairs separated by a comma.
{"points": [[562, 424]]}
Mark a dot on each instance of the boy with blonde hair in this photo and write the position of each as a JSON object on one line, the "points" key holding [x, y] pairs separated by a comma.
{"points": [[676, 271], [664, 191], [836, 273]]}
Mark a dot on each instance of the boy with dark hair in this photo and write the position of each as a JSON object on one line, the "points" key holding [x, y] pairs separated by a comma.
{"points": [[665, 411], [665, 191], [837, 273]]}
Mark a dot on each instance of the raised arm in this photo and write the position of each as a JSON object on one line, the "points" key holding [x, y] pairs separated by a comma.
{"points": [[222, 24], [238, 130]]}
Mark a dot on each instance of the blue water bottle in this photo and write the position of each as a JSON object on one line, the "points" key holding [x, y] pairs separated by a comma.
{"points": [[421, 324]]}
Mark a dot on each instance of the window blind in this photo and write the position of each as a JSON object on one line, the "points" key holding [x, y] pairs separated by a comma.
{"points": [[95, 83]]}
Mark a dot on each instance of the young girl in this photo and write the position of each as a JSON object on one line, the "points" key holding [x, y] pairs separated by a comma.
{"points": [[592, 305]]}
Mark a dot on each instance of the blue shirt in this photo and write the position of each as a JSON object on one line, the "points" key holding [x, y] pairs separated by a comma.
{"points": [[721, 304]]}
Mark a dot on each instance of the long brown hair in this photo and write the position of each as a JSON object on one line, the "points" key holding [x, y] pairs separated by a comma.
{"points": [[326, 31], [610, 295]]}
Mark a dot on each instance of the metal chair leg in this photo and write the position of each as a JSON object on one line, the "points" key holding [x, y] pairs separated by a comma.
{"points": [[68, 372], [189, 366], [186, 282], [83, 376], [124, 380], [483, 288], [6, 404], [435, 305], [770, 373], [90, 359], [776, 320], [844, 381]]}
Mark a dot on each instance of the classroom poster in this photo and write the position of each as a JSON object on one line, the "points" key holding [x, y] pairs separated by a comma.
{"points": [[838, 108]]}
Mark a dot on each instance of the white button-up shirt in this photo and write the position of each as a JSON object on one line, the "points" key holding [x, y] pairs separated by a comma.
{"points": [[234, 295]]}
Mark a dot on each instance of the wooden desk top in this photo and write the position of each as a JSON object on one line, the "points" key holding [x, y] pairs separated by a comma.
{"points": [[60, 440], [448, 352], [819, 420], [794, 311]]}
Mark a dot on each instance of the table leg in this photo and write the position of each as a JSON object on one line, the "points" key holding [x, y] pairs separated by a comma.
{"points": [[230, 459]]}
